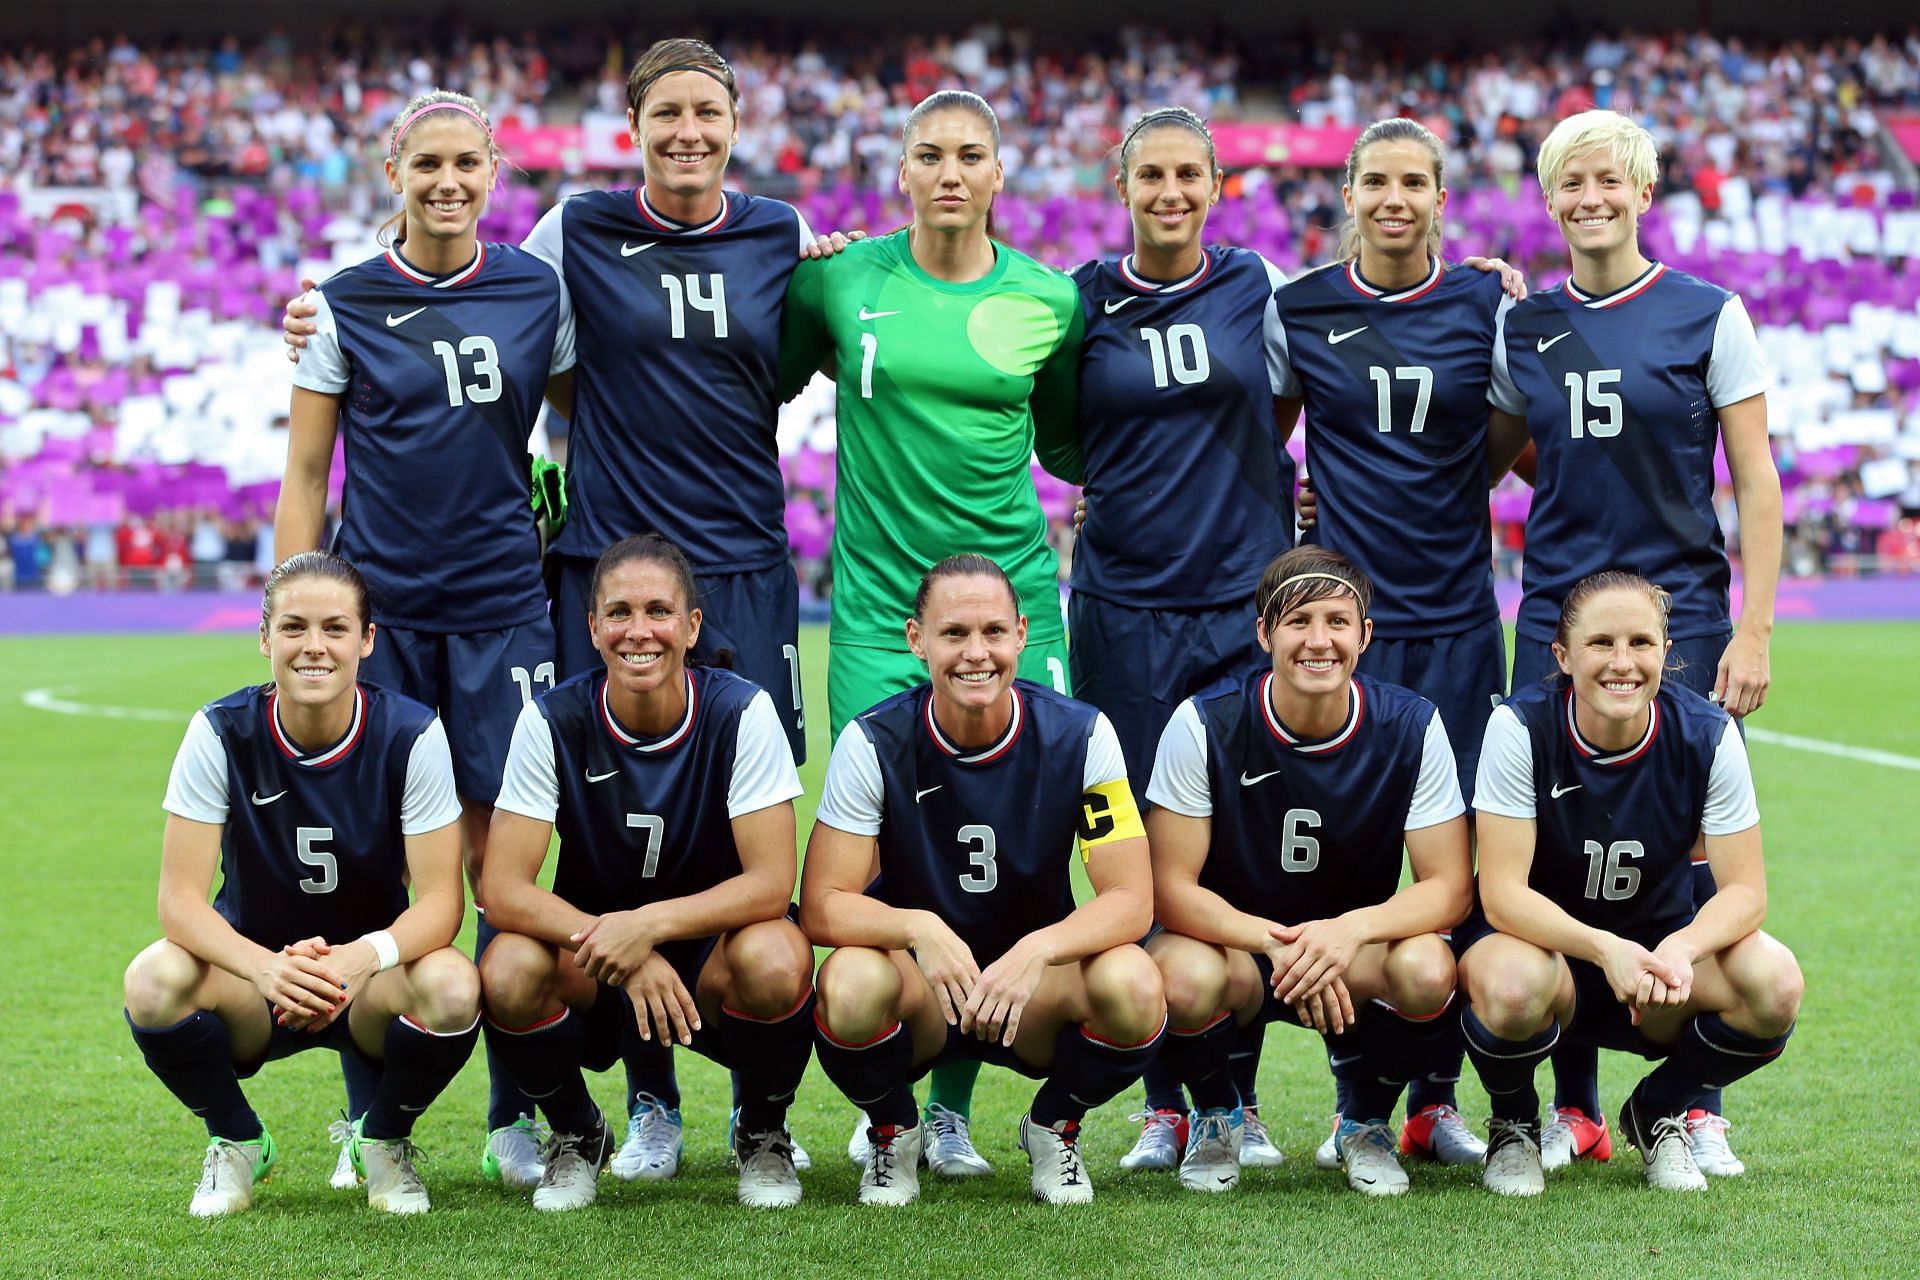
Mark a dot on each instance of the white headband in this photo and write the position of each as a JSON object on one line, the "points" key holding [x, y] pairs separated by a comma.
{"points": [[1302, 577]]}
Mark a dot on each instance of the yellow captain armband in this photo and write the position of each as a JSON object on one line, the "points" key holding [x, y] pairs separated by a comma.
{"points": [[1107, 814]]}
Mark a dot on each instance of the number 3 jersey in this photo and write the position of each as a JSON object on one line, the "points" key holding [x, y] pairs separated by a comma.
{"points": [[1616, 831], [646, 819], [981, 836], [440, 380], [1306, 828], [1620, 394], [313, 843]]}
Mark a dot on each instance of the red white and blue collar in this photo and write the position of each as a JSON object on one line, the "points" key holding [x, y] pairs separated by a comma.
{"points": [[673, 226], [987, 754], [1591, 754], [1600, 302], [666, 742], [447, 281], [327, 755], [1142, 284], [1356, 711], [1436, 269]]}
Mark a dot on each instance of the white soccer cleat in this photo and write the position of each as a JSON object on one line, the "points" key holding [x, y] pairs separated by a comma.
{"points": [[1327, 1154], [512, 1157], [1666, 1156], [949, 1146], [228, 1174], [1707, 1135], [892, 1173], [1059, 1174], [1367, 1154], [393, 1185], [1571, 1136], [345, 1176], [859, 1146], [1215, 1144], [1440, 1133], [1513, 1159], [767, 1176], [801, 1160], [1162, 1141], [655, 1139], [1256, 1145], [573, 1164]]}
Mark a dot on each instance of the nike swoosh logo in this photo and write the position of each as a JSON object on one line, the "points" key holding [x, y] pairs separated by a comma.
{"points": [[1114, 304], [628, 250], [929, 791], [260, 799], [1544, 343], [1335, 339], [1245, 781], [1341, 1062], [875, 315], [601, 777], [1559, 790], [416, 1110], [394, 321]]}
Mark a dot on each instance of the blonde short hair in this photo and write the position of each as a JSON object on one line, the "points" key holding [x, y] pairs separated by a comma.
{"points": [[1631, 146]]}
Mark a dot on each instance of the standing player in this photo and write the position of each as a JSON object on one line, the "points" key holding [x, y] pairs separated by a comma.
{"points": [[430, 359], [968, 791], [672, 790], [310, 941], [1596, 790], [1189, 489], [1282, 801], [1628, 374]]}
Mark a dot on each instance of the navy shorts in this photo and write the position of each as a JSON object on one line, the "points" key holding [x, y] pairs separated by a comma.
{"points": [[285, 1042], [1693, 662], [1464, 675], [1598, 1019], [754, 615], [478, 682], [1137, 665]]}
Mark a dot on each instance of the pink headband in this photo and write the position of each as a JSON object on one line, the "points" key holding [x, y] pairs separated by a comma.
{"points": [[393, 150]]}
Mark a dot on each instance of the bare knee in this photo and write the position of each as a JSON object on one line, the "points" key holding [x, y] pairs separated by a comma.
{"points": [[770, 966], [1511, 988], [446, 991], [1124, 988], [516, 979], [1770, 985], [859, 993], [1193, 977], [160, 984], [1420, 975]]}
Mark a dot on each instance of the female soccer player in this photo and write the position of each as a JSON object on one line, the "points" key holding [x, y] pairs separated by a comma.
{"points": [[1595, 790], [1335, 773], [1627, 375], [431, 358], [967, 791], [672, 790], [348, 798]]}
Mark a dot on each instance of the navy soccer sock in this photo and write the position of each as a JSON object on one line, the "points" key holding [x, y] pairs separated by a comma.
{"points": [[1704, 888], [1245, 1060], [872, 1074], [1506, 1067], [1200, 1058], [1087, 1072], [194, 1058], [1576, 1078], [419, 1064], [772, 1055], [505, 1102], [1378, 1055], [362, 1078], [1444, 1050], [1710, 1055], [1163, 1086], [543, 1061], [649, 1065]]}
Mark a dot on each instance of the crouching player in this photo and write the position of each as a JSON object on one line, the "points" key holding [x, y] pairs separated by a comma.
{"points": [[348, 795], [971, 788], [1594, 791], [672, 789], [1282, 801]]}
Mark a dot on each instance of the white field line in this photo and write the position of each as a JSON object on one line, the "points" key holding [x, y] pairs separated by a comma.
{"points": [[1841, 750], [49, 699]]}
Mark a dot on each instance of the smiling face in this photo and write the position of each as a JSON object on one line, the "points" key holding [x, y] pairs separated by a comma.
{"points": [[315, 639], [1317, 645], [685, 130], [1168, 185], [1394, 197], [643, 627], [950, 171], [444, 172], [970, 635], [1614, 653], [1597, 205]]}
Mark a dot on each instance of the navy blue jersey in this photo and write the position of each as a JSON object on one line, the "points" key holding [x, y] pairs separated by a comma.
{"points": [[644, 820], [1306, 829], [1615, 831], [1619, 393], [316, 848], [678, 333], [440, 381], [1395, 386], [1189, 489], [984, 840]]}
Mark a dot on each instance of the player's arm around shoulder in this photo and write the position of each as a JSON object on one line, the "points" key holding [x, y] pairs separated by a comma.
{"points": [[806, 339]]}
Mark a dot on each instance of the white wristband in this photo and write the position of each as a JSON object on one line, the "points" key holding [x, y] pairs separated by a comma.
{"points": [[384, 947]]}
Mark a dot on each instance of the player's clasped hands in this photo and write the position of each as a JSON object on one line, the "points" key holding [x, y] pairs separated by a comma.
{"points": [[305, 992], [948, 965], [992, 1012], [1310, 962], [1644, 979], [613, 947], [661, 1004]]}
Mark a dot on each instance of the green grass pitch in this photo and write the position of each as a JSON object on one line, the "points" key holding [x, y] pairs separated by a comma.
{"points": [[100, 1160]]}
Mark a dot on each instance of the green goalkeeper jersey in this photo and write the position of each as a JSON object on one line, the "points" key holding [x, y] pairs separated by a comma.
{"points": [[944, 392]]}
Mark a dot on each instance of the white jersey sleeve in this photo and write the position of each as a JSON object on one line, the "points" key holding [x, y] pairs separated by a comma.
{"points": [[1731, 806], [563, 353], [197, 787], [1502, 392], [853, 797], [1505, 784], [806, 230], [1436, 794], [547, 240], [323, 366], [428, 801], [763, 772], [1179, 781], [1279, 370], [1737, 369], [1105, 761], [530, 785]]}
